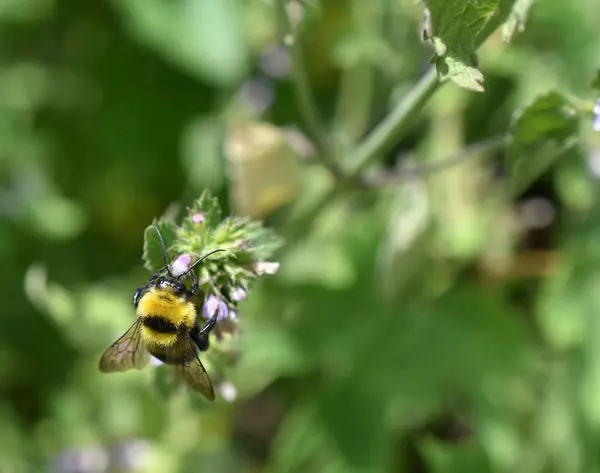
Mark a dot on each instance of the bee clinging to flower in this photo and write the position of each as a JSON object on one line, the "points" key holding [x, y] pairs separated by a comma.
{"points": [[166, 328]]}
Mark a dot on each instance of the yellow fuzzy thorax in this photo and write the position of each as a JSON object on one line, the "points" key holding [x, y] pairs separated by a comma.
{"points": [[166, 305]]}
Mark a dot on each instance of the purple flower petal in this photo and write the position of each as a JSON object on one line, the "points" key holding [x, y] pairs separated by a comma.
{"points": [[596, 124], [181, 264], [596, 112], [210, 307], [243, 244], [223, 311], [238, 294], [198, 217]]}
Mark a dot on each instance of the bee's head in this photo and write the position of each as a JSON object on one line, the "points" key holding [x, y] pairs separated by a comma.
{"points": [[170, 283], [169, 280]]}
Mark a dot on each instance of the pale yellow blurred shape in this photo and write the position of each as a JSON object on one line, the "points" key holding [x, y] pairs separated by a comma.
{"points": [[263, 168]]}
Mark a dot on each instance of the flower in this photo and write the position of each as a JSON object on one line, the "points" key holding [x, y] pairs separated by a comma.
{"points": [[596, 112], [242, 243], [265, 267], [238, 294], [213, 305], [133, 455], [93, 459], [198, 217], [155, 361], [228, 391], [181, 264]]}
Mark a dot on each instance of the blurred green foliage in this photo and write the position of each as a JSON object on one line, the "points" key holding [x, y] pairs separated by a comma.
{"points": [[436, 306]]}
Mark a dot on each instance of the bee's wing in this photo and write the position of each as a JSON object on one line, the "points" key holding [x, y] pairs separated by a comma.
{"points": [[128, 352], [191, 370]]}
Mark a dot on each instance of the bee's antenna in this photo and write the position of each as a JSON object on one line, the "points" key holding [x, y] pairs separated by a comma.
{"points": [[199, 260], [164, 250]]}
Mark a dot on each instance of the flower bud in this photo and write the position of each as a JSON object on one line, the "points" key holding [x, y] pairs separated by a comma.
{"points": [[181, 264], [198, 217], [238, 294]]}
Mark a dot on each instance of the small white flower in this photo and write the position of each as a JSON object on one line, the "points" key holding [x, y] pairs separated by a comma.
{"points": [[266, 267], [228, 391], [238, 294]]}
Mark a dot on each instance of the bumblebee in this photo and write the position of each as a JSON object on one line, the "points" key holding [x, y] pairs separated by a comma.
{"points": [[166, 328]]}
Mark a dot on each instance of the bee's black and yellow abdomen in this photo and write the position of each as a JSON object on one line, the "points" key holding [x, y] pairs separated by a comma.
{"points": [[159, 324]]}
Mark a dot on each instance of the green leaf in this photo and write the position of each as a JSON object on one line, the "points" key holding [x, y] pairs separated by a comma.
{"points": [[455, 27], [549, 117], [444, 458], [264, 241], [298, 439], [152, 254], [316, 262], [516, 19], [203, 36], [538, 135], [464, 343], [369, 408], [202, 155]]}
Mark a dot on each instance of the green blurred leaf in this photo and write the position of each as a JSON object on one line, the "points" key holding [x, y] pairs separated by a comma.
{"points": [[264, 242], [58, 218], [152, 254], [455, 26], [298, 440], [551, 117], [202, 154], [595, 84], [205, 37], [368, 406], [540, 134], [465, 343], [516, 20], [325, 264], [444, 458]]}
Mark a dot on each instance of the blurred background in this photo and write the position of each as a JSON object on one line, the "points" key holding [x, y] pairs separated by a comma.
{"points": [[431, 323]]}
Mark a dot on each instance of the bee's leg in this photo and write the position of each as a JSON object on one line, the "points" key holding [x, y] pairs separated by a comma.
{"points": [[195, 285], [200, 335], [208, 326], [155, 276], [200, 339]]}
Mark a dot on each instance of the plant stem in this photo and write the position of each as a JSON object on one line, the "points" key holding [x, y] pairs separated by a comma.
{"points": [[378, 142], [383, 138], [305, 96], [390, 179]]}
